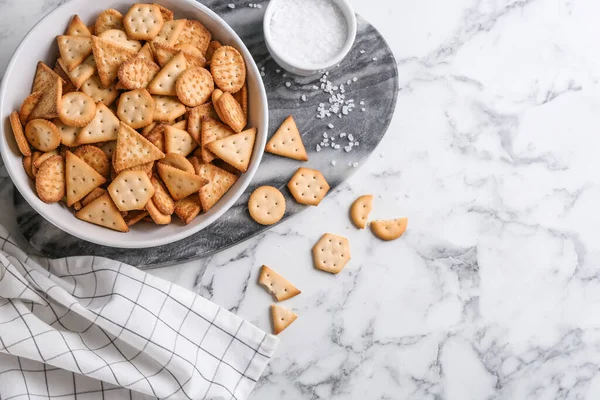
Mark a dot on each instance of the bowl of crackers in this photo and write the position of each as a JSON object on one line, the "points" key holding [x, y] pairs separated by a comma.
{"points": [[131, 124]]}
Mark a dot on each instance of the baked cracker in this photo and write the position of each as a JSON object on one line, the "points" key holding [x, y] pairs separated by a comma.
{"points": [[389, 229], [187, 209], [109, 57], [73, 50], [308, 186], [178, 141], [103, 128], [81, 178], [164, 81], [131, 190], [212, 130], [287, 142], [235, 150], [50, 180], [103, 212], [180, 183], [133, 149], [78, 28], [360, 210], [277, 285], [281, 317], [219, 182], [331, 253]]}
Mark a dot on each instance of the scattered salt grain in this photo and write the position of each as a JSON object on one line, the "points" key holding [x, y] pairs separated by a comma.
{"points": [[231, 5], [284, 75], [337, 146], [343, 134], [318, 148], [355, 164], [311, 31], [348, 82], [288, 84], [349, 164], [333, 162], [374, 58], [303, 97], [278, 70], [363, 109], [348, 149], [354, 79], [325, 135], [351, 137], [356, 144], [315, 87], [362, 103], [330, 126], [362, 52], [262, 73]]}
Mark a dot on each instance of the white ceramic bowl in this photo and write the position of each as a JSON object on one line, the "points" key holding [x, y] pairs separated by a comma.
{"points": [[40, 44], [302, 68]]}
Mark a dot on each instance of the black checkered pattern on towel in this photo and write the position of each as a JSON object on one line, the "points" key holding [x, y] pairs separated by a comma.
{"points": [[92, 328]]}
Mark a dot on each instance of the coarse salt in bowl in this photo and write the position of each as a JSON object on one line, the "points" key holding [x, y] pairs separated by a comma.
{"points": [[308, 36]]}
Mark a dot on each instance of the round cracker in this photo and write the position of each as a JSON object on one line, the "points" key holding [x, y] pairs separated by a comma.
{"points": [[228, 69], [95, 158], [76, 109], [143, 21], [136, 108], [50, 180], [266, 205], [42, 135], [194, 86], [390, 229]]}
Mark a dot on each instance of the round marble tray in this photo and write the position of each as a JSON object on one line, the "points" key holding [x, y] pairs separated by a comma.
{"points": [[376, 85]]}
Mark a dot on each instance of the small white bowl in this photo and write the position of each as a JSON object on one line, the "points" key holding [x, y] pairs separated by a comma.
{"points": [[306, 69], [40, 44]]}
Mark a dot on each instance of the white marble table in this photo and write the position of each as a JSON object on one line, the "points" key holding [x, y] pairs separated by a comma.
{"points": [[492, 154]]}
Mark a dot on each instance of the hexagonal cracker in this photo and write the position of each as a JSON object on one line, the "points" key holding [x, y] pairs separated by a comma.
{"points": [[308, 186], [331, 253]]}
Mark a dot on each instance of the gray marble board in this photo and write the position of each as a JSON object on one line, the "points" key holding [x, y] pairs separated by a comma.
{"points": [[370, 61]]}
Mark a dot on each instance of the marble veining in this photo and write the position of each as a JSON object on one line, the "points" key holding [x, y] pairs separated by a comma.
{"points": [[492, 154], [373, 83]]}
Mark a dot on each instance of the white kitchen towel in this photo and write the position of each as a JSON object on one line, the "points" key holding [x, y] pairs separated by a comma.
{"points": [[93, 328]]}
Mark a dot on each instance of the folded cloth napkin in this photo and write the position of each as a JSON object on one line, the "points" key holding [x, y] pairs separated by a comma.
{"points": [[93, 328]]}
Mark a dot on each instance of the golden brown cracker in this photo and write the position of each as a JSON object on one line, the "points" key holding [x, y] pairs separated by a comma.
{"points": [[102, 211], [81, 178], [165, 80], [28, 105], [178, 141], [279, 287], [108, 19], [42, 135], [133, 149], [17, 128], [287, 142], [235, 150], [50, 180], [281, 318], [187, 209], [131, 190], [266, 205], [73, 50], [109, 57], [389, 229], [167, 108], [95, 158], [103, 128], [194, 86], [180, 183], [360, 210], [228, 69], [136, 108], [331, 253], [143, 21], [137, 73], [231, 112], [308, 186], [162, 199], [76, 109]]}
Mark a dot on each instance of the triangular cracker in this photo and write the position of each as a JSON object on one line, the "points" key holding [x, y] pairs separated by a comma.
{"points": [[194, 121], [164, 82], [133, 149], [180, 183], [73, 50], [219, 182], [81, 178], [109, 57], [212, 130], [276, 284], [50, 84], [81, 73], [103, 128], [282, 318], [146, 53], [178, 141], [78, 28], [103, 212], [287, 141], [235, 150]]}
